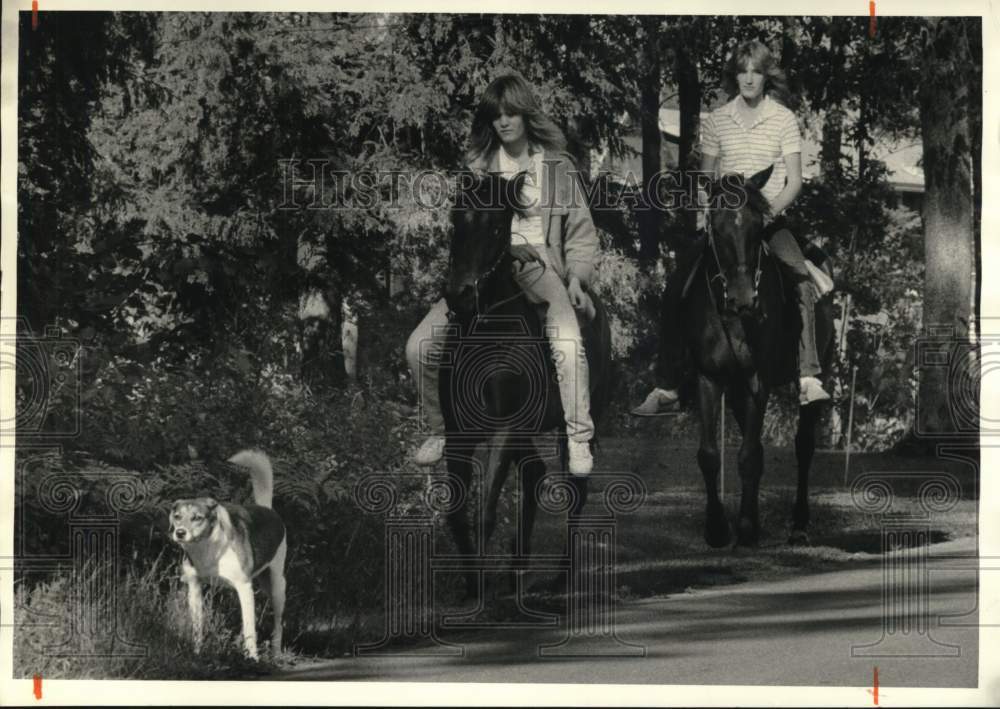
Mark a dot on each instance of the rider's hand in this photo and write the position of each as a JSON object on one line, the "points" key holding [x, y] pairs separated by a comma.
{"points": [[576, 295], [525, 253], [702, 204]]}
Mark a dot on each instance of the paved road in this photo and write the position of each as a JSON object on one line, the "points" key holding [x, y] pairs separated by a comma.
{"points": [[795, 631]]}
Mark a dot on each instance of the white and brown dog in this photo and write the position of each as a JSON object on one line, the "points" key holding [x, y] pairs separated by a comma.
{"points": [[234, 543]]}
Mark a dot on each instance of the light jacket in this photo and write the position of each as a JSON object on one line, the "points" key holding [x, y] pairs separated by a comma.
{"points": [[569, 231]]}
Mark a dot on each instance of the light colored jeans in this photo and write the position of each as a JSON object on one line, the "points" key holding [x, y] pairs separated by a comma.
{"points": [[572, 372]]}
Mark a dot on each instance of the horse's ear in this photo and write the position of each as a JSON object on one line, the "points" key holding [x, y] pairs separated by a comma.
{"points": [[760, 179]]}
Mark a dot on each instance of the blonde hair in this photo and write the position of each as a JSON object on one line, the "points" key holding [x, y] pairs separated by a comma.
{"points": [[756, 54], [512, 94]]}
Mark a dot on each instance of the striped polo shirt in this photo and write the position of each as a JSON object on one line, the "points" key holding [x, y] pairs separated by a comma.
{"points": [[750, 149]]}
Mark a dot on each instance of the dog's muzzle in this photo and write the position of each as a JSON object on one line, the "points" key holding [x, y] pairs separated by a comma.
{"points": [[180, 535]]}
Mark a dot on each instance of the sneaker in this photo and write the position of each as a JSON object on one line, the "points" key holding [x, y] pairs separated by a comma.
{"points": [[659, 403], [581, 462], [430, 451], [811, 390]]}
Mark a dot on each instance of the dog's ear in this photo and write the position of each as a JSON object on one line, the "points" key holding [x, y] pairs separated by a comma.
{"points": [[210, 505]]}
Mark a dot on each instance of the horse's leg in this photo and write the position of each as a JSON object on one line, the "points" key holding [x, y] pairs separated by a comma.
{"points": [[749, 408], [805, 446], [532, 469], [500, 455], [459, 457], [717, 531], [502, 450]]}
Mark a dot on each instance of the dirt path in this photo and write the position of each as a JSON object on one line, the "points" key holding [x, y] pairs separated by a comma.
{"points": [[775, 615], [795, 631]]}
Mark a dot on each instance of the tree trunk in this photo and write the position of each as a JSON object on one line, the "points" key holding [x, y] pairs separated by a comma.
{"points": [[689, 94], [649, 117], [861, 142], [833, 140], [349, 339], [946, 121], [976, 133]]}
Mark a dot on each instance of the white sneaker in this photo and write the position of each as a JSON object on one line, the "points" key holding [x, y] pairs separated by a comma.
{"points": [[581, 462], [659, 402], [811, 390], [430, 451]]}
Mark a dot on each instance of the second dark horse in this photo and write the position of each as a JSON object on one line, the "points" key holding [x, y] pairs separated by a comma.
{"points": [[742, 327], [497, 381]]}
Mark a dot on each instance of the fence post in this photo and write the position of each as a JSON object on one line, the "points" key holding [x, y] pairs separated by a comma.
{"points": [[850, 425]]}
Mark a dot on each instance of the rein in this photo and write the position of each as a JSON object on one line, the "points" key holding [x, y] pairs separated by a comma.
{"points": [[487, 274], [483, 276]]}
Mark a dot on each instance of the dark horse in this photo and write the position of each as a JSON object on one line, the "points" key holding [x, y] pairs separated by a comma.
{"points": [[742, 326], [497, 383]]}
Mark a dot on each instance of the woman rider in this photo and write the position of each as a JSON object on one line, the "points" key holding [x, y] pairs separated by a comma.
{"points": [[755, 130], [511, 134]]}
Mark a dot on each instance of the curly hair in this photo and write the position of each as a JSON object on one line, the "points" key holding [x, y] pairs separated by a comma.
{"points": [[756, 54], [511, 94]]}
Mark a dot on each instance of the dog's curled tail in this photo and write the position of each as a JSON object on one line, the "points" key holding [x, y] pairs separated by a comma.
{"points": [[261, 474]]}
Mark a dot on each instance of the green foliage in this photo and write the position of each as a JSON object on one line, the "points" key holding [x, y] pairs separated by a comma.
{"points": [[882, 345], [623, 287]]}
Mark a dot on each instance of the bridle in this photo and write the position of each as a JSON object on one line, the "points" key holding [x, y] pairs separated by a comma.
{"points": [[485, 275], [741, 266]]}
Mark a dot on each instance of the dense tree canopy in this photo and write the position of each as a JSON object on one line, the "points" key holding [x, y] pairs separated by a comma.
{"points": [[156, 155]]}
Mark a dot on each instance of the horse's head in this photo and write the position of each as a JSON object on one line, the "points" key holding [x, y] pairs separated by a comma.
{"points": [[736, 226], [480, 241]]}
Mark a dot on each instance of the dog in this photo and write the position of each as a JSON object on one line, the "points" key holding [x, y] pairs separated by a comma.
{"points": [[234, 543]]}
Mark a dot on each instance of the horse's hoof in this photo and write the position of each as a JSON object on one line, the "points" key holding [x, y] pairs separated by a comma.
{"points": [[799, 538], [717, 531], [747, 535]]}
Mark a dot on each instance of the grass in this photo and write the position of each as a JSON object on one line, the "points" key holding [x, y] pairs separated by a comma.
{"points": [[151, 639], [660, 548]]}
